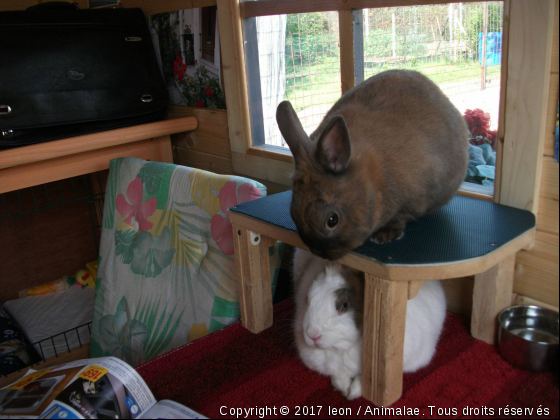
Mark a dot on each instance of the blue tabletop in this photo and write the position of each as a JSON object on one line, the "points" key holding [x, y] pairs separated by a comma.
{"points": [[463, 229]]}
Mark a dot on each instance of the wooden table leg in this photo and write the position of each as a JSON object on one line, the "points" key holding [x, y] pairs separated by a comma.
{"points": [[383, 345], [414, 288], [160, 149], [493, 291], [254, 284]]}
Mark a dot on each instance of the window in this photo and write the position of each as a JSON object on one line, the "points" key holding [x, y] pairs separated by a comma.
{"points": [[297, 57], [522, 131], [298, 60], [459, 47]]}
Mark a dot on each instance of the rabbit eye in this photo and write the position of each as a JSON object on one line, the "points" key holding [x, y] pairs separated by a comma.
{"points": [[344, 307], [333, 221]]}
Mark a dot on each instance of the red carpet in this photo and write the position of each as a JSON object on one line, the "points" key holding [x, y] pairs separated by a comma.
{"points": [[233, 368]]}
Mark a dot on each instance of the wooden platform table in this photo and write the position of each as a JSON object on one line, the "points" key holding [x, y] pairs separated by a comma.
{"points": [[466, 237]]}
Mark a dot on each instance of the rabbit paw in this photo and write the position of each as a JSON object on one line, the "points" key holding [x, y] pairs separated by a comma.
{"points": [[341, 383], [355, 390], [390, 232], [350, 388]]}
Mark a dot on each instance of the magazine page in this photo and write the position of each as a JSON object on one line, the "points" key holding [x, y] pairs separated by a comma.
{"points": [[93, 388], [28, 397], [166, 409]]}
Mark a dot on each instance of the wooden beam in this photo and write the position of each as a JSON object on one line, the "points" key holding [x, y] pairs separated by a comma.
{"points": [[255, 166], [160, 149], [503, 95], [282, 7], [493, 292], [18, 177], [528, 77], [70, 146], [385, 305], [346, 33], [413, 288], [552, 112], [272, 152], [475, 195], [252, 268], [153, 7], [234, 77]]}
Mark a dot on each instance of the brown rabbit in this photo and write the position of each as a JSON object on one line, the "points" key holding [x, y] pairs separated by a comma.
{"points": [[389, 151]]}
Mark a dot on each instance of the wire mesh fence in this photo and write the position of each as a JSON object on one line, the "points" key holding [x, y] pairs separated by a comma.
{"points": [[458, 45], [312, 65], [299, 59]]}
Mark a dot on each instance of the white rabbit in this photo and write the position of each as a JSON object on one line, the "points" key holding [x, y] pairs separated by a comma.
{"points": [[329, 316]]}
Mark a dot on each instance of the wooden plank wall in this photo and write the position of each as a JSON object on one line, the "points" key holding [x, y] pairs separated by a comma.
{"points": [[208, 146], [536, 274]]}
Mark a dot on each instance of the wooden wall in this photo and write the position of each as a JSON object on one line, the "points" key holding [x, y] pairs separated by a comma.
{"points": [[536, 273], [208, 146]]}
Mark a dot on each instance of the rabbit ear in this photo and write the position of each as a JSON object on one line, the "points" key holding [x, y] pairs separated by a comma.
{"points": [[292, 130], [333, 147]]}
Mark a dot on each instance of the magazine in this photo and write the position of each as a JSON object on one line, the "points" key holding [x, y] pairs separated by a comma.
{"points": [[99, 388]]}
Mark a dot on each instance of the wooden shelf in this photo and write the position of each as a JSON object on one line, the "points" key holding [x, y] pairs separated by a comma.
{"points": [[51, 161], [88, 142]]}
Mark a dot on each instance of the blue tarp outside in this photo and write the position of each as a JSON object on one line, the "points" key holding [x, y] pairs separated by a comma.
{"points": [[493, 48]]}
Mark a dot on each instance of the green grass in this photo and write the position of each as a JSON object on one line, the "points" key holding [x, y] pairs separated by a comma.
{"points": [[313, 85], [320, 83]]}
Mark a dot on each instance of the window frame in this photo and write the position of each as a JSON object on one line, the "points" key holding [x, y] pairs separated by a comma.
{"points": [[524, 142]]}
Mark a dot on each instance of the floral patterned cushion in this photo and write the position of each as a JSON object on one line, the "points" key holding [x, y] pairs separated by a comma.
{"points": [[166, 271]]}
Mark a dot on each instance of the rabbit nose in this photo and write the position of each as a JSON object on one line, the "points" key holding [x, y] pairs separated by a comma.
{"points": [[314, 335]]}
